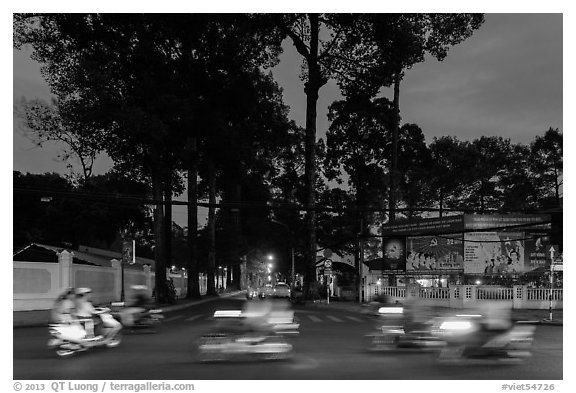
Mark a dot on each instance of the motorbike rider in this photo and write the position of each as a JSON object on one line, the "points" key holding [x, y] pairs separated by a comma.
{"points": [[63, 309], [495, 320], [84, 310], [137, 307], [87, 315]]}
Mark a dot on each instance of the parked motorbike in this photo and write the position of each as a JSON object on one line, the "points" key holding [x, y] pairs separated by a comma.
{"points": [[394, 332], [231, 340], [469, 341], [70, 338], [149, 320]]}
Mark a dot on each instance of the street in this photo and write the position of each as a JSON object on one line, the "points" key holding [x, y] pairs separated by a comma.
{"points": [[329, 347]]}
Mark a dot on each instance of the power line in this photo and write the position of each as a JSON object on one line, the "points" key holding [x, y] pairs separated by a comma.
{"points": [[138, 199]]}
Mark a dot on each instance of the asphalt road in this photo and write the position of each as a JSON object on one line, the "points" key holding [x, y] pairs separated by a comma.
{"points": [[329, 348]]}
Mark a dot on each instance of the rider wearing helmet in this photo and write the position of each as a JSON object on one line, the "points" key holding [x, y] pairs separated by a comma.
{"points": [[64, 307], [137, 306], [85, 310]]}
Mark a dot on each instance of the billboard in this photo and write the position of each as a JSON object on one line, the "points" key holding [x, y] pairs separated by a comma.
{"points": [[497, 221], [535, 250], [429, 226], [394, 254], [434, 253], [494, 253]]}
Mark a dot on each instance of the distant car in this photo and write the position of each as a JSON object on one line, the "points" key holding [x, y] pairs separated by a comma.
{"points": [[282, 290], [266, 291], [252, 293]]}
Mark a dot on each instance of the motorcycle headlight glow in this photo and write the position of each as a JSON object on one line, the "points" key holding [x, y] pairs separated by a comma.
{"points": [[390, 310], [456, 325]]}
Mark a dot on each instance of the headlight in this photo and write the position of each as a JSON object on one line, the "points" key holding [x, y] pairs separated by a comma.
{"points": [[390, 310], [456, 325]]}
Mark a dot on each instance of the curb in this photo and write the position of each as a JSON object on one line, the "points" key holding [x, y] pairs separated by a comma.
{"points": [[163, 309]]}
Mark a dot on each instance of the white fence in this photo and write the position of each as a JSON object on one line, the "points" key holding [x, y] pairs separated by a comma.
{"points": [[37, 284], [462, 296]]}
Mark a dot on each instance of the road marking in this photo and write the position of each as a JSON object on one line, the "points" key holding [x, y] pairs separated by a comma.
{"points": [[333, 318], [314, 318], [355, 318], [173, 318], [193, 317]]}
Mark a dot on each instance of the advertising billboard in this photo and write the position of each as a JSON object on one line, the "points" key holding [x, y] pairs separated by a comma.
{"points": [[434, 253]]}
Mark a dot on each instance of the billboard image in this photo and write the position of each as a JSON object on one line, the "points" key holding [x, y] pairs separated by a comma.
{"points": [[427, 253], [394, 254], [494, 253]]}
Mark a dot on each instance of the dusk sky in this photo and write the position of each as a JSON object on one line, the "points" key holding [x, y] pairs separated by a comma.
{"points": [[505, 80]]}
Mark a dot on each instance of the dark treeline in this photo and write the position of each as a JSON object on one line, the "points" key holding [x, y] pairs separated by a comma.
{"points": [[186, 105]]}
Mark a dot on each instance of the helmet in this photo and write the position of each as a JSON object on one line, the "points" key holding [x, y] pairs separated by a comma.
{"points": [[83, 291]]}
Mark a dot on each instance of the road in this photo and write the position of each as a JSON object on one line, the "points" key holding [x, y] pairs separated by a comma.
{"points": [[329, 348]]}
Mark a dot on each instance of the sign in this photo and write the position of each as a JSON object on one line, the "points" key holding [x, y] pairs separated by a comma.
{"points": [[495, 222], [129, 252], [394, 254], [425, 253], [552, 252], [494, 253], [327, 253], [535, 250], [430, 226], [328, 264]]}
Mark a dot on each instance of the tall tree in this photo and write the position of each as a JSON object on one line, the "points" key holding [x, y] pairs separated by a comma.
{"points": [[43, 123], [314, 36], [389, 44], [114, 71], [547, 162]]}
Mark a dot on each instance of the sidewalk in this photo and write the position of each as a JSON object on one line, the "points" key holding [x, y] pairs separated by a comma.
{"points": [[42, 317], [540, 317]]}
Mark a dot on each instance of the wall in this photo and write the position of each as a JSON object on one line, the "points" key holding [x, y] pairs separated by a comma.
{"points": [[37, 284]]}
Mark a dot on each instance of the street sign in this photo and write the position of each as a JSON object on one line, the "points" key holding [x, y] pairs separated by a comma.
{"points": [[552, 251], [557, 268], [328, 263]]}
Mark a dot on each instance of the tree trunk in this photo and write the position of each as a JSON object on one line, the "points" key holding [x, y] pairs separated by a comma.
{"points": [[168, 220], [159, 255], [394, 164], [441, 202], [211, 288], [311, 88], [237, 233], [192, 240], [556, 186]]}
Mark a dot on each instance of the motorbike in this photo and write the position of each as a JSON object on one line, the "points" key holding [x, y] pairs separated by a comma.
{"points": [[394, 332], [150, 320], [70, 338], [469, 341], [231, 341]]}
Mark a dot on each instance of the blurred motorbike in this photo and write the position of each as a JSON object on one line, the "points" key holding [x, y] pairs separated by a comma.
{"points": [[149, 320], [469, 341], [70, 338], [395, 332], [231, 340]]}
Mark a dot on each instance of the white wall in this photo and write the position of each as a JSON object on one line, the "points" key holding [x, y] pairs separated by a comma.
{"points": [[38, 284]]}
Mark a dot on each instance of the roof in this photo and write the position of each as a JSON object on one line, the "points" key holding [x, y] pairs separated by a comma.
{"points": [[84, 256], [47, 254]]}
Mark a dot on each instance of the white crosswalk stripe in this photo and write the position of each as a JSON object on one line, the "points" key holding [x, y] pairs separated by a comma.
{"points": [[173, 318], [192, 318], [314, 318], [356, 319], [332, 318]]}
